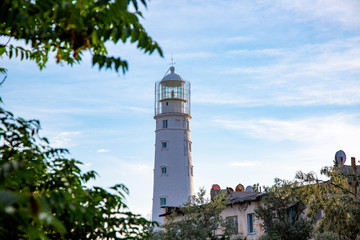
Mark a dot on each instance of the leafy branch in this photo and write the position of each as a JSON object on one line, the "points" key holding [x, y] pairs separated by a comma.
{"points": [[69, 28]]}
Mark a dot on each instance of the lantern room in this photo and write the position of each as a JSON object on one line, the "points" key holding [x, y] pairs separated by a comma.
{"points": [[172, 94]]}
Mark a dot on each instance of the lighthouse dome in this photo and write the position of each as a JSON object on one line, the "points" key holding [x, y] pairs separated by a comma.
{"points": [[172, 76]]}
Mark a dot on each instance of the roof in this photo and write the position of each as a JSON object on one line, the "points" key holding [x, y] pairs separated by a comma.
{"points": [[235, 197], [169, 210], [346, 169], [172, 76], [240, 197]]}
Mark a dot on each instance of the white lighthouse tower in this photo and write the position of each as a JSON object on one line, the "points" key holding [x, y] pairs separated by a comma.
{"points": [[173, 170]]}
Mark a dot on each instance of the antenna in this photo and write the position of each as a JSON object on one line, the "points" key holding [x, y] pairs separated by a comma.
{"points": [[172, 61], [340, 157]]}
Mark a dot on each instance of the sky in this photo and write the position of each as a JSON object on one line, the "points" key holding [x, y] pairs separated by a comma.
{"points": [[275, 89]]}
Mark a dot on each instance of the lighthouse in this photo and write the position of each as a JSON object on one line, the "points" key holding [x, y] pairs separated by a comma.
{"points": [[173, 169]]}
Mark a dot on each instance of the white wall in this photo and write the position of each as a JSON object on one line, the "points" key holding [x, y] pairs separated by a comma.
{"points": [[177, 184]]}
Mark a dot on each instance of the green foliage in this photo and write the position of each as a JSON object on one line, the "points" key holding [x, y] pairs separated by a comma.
{"points": [[4, 72], [256, 187], [69, 28], [43, 194], [196, 220], [334, 197], [282, 213]]}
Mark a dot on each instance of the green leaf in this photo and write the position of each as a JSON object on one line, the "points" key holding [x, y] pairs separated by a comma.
{"points": [[68, 27]]}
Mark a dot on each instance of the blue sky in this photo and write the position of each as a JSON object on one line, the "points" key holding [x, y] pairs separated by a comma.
{"points": [[275, 89]]}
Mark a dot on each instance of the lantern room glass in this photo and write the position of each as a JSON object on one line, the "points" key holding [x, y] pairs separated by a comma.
{"points": [[172, 90]]}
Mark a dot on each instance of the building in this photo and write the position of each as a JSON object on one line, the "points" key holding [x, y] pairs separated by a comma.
{"points": [[287, 212], [239, 212], [173, 169]]}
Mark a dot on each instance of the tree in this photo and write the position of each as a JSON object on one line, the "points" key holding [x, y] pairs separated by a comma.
{"points": [[282, 213], [69, 28], [332, 205], [43, 194], [335, 199], [196, 220]]}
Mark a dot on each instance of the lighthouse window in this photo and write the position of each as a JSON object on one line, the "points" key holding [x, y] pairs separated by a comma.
{"points": [[165, 123], [162, 201], [163, 170], [164, 145]]}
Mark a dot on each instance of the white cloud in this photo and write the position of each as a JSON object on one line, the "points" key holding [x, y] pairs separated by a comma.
{"points": [[311, 59], [260, 52], [243, 164], [64, 139], [345, 12], [194, 55], [112, 164], [240, 39], [140, 167], [86, 165], [212, 97], [315, 74], [138, 109], [279, 147], [102, 150], [307, 130]]}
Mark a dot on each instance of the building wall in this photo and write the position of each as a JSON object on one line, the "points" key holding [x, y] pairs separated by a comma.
{"points": [[241, 211]]}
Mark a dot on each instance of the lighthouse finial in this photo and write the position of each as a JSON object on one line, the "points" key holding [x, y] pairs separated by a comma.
{"points": [[172, 60], [172, 68]]}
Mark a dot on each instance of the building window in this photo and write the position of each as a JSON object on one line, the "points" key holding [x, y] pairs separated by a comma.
{"points": [[191, 171], [163, 170], [190, 146], [165, 123], [291, 214], [318, 216], [163, 201], [250, 223], [163, 145], [232, 224]]}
